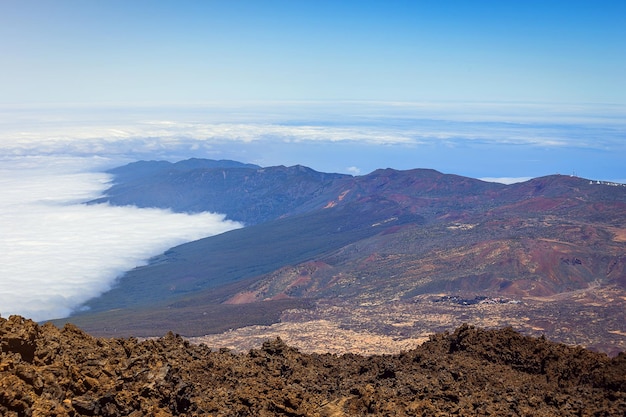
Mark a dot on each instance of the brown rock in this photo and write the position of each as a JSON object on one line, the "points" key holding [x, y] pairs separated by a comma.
{"points": [[52, 372]]}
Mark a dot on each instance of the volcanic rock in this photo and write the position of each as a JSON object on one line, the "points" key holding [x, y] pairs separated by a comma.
{"points": [[46, 371]]}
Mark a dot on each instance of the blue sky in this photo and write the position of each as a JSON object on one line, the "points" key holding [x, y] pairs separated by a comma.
{"points": [[214, 51]]}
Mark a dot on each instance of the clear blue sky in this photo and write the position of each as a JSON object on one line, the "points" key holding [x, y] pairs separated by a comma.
{"points": [[129, 51]]}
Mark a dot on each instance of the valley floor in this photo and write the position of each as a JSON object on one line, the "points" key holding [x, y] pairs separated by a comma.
{"points": [[592, 318]]}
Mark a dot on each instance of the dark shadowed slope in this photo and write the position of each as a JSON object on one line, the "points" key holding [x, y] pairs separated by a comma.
{"points": [[244, 253], [243, 192]]}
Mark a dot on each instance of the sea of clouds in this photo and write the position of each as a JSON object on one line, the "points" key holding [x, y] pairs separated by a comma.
{"points": [[58, 252], [480, 140]]}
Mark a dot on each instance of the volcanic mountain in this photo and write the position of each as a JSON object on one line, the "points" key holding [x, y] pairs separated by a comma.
{"points": [[395, 253]]}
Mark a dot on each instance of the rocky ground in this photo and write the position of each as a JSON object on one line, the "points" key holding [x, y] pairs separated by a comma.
{"points": [[592, 318], [46, 371]]}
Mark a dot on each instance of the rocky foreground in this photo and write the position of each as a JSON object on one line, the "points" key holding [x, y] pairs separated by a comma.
{"points": [[46, 371]]}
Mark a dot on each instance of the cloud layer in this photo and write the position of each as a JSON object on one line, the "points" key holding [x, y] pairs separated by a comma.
{"points": [[473, 139], [58, 253]]}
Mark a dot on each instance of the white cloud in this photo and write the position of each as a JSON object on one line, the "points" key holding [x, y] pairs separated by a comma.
{"points": [[506, 180], [158, 130], [57, 253], [353, 170]]}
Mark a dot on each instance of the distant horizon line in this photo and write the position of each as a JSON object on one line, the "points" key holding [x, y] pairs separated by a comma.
{"points": [[247, 102]]}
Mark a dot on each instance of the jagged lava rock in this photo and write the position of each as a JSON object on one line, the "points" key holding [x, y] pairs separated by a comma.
{"points": [[46, 371]]}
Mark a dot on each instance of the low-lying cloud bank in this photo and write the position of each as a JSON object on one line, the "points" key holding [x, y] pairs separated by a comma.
{"points": [[57, 253], [473, 139]]}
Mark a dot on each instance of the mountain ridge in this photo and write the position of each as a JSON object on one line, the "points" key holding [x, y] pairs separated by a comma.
{"points": [[388, 236], [204, 185]]}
